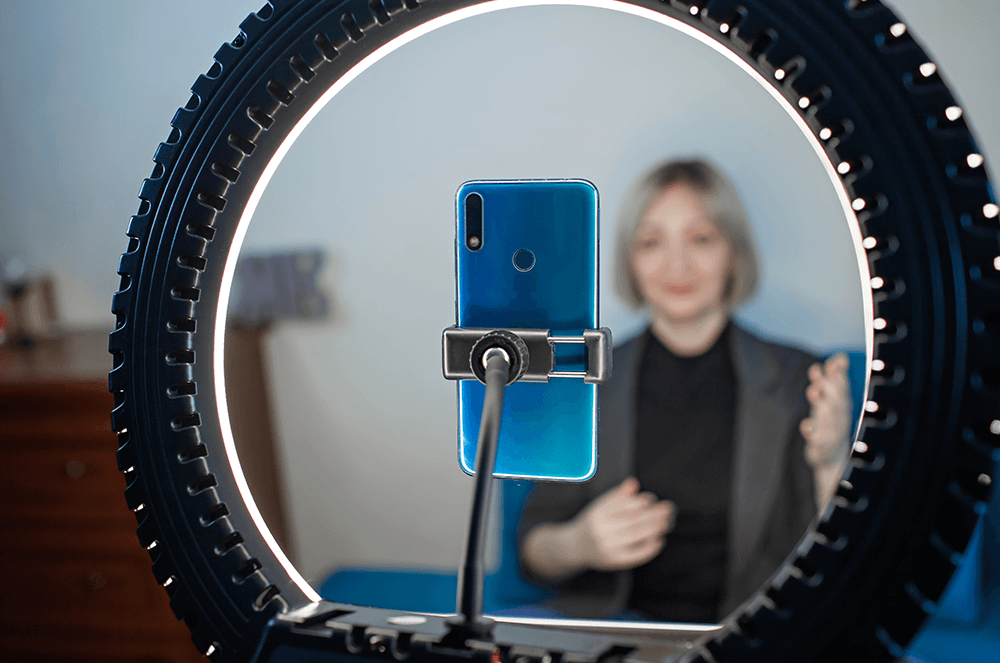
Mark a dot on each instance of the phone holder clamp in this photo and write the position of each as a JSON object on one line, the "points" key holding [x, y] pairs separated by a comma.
{"points": [[532, 353]]}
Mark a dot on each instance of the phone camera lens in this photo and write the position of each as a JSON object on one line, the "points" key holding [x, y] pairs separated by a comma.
{"points": [[474, 221]]}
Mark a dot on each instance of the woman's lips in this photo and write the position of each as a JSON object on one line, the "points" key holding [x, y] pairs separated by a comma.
{"points": [[679, 289]]}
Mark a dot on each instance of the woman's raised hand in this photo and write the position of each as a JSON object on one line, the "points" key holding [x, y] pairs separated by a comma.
{"points": [[825, 429], [623, 528]]}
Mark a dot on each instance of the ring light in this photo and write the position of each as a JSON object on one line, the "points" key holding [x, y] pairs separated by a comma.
{"points": [[905, 166]]}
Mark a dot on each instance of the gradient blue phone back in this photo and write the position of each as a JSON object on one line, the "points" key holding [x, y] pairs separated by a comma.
{"points": [[548, 430]]}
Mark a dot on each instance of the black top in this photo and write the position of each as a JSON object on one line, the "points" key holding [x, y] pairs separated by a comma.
{"points": [[685, 413]]}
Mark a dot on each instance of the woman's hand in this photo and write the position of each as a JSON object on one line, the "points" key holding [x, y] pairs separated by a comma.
{"points": [[829, 396], [623, 528], [620, 529], [825, 429]]}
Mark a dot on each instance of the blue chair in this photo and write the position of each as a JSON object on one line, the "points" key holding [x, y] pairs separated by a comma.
{"points": [[421, 590], [857, 371], [966, 625]]}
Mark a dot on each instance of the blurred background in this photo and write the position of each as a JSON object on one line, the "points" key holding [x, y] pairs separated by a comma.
{"points": [[357, 229]]}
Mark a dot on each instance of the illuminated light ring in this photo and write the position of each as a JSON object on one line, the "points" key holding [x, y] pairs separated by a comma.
{"points": [[927, 231]]}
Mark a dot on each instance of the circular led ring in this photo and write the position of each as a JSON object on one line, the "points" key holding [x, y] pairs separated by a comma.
{"points": [[875, 110]]}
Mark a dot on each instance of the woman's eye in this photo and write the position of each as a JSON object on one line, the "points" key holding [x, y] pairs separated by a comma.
{"points": [[703, 239]]}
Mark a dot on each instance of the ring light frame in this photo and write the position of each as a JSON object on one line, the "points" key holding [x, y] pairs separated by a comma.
{"points": [[863, 579]]}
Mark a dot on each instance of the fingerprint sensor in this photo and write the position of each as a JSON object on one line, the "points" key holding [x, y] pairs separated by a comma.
{"points": [[524, 260]]}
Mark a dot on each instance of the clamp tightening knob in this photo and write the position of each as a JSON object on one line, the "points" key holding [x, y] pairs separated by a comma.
{"points": [[511, 345]]}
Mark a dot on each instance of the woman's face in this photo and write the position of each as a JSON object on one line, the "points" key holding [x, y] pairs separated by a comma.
{"points": [[681, 261]]}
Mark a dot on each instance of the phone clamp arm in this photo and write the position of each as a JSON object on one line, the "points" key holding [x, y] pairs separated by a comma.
{"points": [[463, 349]]}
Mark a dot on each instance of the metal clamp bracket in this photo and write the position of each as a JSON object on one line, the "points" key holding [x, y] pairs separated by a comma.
{"points": [[458, 346]]}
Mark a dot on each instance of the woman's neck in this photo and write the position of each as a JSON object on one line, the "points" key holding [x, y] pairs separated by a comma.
{"points": [[690, 338]]}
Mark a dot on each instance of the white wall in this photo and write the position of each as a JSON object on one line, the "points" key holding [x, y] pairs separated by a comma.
{"points": [[86, 93], [87, 90]]}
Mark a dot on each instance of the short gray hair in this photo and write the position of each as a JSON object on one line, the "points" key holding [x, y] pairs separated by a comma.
{"points": [[723, 206]]}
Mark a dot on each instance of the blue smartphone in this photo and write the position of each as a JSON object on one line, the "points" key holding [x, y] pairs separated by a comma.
{"points": [[526, 256]]}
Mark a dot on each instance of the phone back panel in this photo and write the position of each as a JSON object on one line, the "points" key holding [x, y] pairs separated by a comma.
{"points": [[548, 430]]}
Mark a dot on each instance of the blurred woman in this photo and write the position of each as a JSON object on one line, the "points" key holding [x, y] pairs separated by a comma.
{"points": [[717, 447]]}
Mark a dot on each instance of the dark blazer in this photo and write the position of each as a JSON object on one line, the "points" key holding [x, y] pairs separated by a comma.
{"points": [[772, 494]]}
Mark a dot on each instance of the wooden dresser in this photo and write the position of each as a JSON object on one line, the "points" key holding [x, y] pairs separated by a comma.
{"points": [[79, 587]]}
